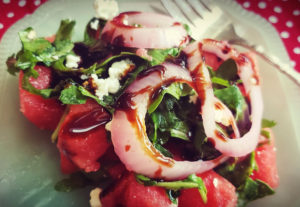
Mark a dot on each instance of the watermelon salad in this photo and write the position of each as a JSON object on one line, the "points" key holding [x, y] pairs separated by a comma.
{"points": [[147, 115]]}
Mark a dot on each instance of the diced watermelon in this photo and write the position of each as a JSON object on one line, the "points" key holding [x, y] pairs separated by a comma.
{"points": [[67, 166], [114, 196], [86, 145], [220, 193], [129, 193], [265, 157], [44, 113], [114, 166]]}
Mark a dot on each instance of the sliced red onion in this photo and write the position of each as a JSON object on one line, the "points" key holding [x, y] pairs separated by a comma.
{"points": [[129, 135], [144, 30], [249, 76], [224, 116]]}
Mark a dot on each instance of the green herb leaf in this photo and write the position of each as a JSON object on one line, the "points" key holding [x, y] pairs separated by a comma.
{"points": [[86, 93], [92, 36], [65, 31], [175, 89], [72, 95], [227, 70], [268, 123], [36, 45], [191, 181], [160, 55], [235, 101], [237, 173], [252, 190], [173, 195], [220, 81], [265, 133], [75, 181]]}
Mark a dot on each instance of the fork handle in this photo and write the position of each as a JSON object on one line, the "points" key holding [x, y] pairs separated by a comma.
{"points": [[272, 60]]}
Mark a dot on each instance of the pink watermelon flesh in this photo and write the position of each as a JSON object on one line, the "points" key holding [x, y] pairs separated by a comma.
{"points": [[44, 113], [83, 149], [220, 193]]}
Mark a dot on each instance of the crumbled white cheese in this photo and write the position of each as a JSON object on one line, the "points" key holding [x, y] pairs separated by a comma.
{"points": [[84, 77], [117, 69], [31, 35], [94, 24], [106, 9], [111, 84], [72, 61], [95, 197]]}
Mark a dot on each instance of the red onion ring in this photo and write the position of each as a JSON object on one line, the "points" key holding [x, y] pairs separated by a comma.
{"points": [[129, 135], [248, 74], [144, 30]]}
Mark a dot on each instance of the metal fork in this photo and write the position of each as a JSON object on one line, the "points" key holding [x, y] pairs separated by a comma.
{"points": [[207, 20]]}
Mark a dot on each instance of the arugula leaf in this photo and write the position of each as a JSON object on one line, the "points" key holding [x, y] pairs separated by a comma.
{"points": [[36, 45], [233, 98], [220, 81], [187, 28], [252, 190], [191, 181], [268, 123], [72, 95], [227, 70], [79, 180], [160, 55], [166, 120], [238, 173], [175, 89], [75, 181], [235, 101], [173, 195], [86, 93], [64, 31], [91, 36]]}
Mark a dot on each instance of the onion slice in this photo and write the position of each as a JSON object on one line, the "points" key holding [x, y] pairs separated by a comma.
{"points": [[248, 74], [144, 30], [129, 135]]}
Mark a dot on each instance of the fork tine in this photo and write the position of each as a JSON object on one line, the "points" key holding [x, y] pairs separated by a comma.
{"points": [[187, 10], [198, 7], [174, 11]]}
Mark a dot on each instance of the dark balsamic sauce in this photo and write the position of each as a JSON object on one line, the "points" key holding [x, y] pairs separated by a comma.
{"points": [[88, 57], [84, 123]]}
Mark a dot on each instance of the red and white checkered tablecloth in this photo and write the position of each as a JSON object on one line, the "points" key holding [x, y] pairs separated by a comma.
{"points": [[284, 15]]}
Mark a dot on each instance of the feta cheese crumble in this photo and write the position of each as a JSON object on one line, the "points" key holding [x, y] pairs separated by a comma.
{"points": [[31, 35], [95, 197], [106, 9], [112, 83], [84, 77], [94, 24], [72, 61]]}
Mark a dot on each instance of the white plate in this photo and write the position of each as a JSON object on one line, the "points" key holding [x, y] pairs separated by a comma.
{"points": [[30, 163]]}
